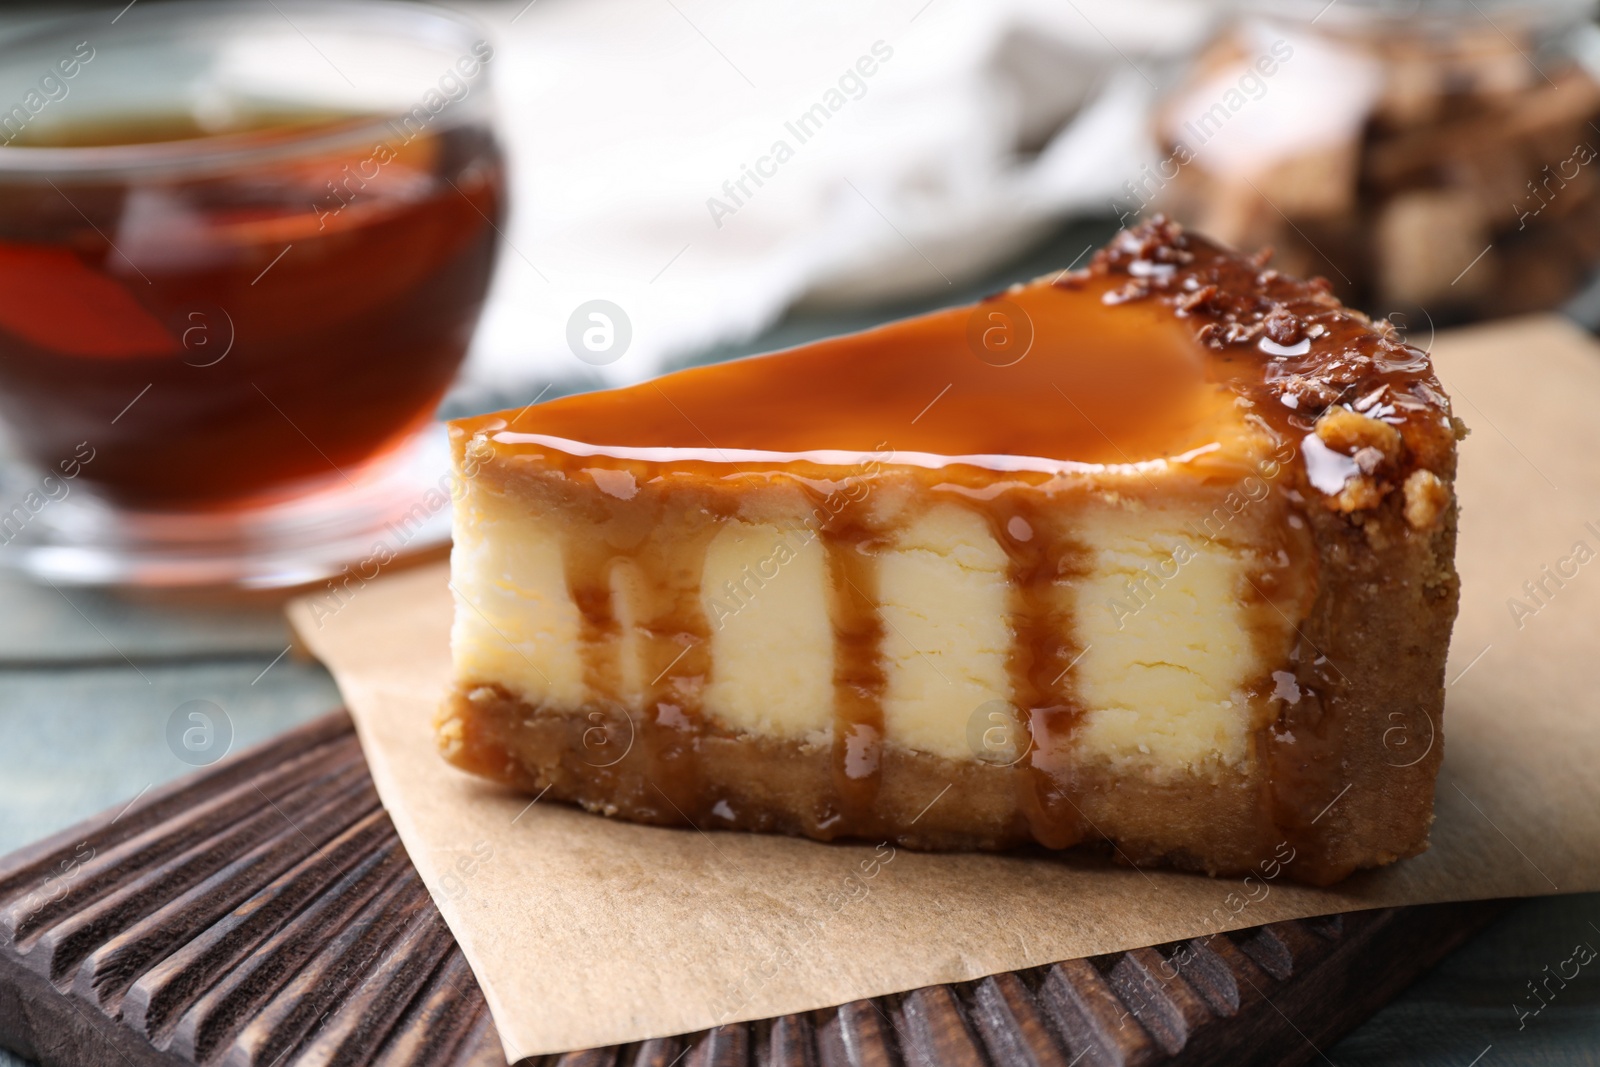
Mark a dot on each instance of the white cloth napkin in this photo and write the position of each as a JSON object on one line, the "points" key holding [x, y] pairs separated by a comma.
{"points": [[944, 135]]}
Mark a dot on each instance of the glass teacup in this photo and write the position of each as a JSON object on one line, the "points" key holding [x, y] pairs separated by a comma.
{"points": [[243, 248]]}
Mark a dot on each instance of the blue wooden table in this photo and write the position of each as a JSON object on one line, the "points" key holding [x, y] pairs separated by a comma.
{"points": [[90, 680]]}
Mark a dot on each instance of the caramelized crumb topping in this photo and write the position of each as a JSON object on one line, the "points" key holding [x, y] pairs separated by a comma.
{"points": [[1307, 363], [1427, 499], [1352, 433]]}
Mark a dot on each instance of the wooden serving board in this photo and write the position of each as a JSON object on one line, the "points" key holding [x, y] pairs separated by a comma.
{"points": [[263, 912]]}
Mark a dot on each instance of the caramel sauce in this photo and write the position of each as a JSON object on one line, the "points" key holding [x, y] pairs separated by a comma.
{"points": [[676, 663], [1166, 351], [858, 676], [1042, 655], [924, 386]]}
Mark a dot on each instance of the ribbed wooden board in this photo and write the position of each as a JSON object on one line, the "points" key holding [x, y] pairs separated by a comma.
{"points": [[263, 912]]}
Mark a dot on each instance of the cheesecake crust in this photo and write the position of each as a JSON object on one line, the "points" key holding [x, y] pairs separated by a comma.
{"points": [[1347, 595], [785, 786]]}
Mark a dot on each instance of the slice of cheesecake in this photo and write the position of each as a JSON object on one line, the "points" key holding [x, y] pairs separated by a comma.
{"points": [[1156, 554]]}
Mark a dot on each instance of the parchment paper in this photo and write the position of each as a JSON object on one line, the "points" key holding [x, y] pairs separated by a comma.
{"points": [[584, 931]]}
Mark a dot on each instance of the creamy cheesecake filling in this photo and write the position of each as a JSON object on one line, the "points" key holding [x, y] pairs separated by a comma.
{"points": [[1177, 638], [764, 590], [1145, 631], [943, 593], [988, 579], [515, 620]]}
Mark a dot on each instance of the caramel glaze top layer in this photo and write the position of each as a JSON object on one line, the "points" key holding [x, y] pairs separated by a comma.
{"points": [[929, 386], [1147, 354], [1165, 350]]}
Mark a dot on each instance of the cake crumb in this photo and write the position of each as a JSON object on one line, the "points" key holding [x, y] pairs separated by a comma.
{"points": [[1360, 493], [1427, 498], [1348, 431], [450, 735]]}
